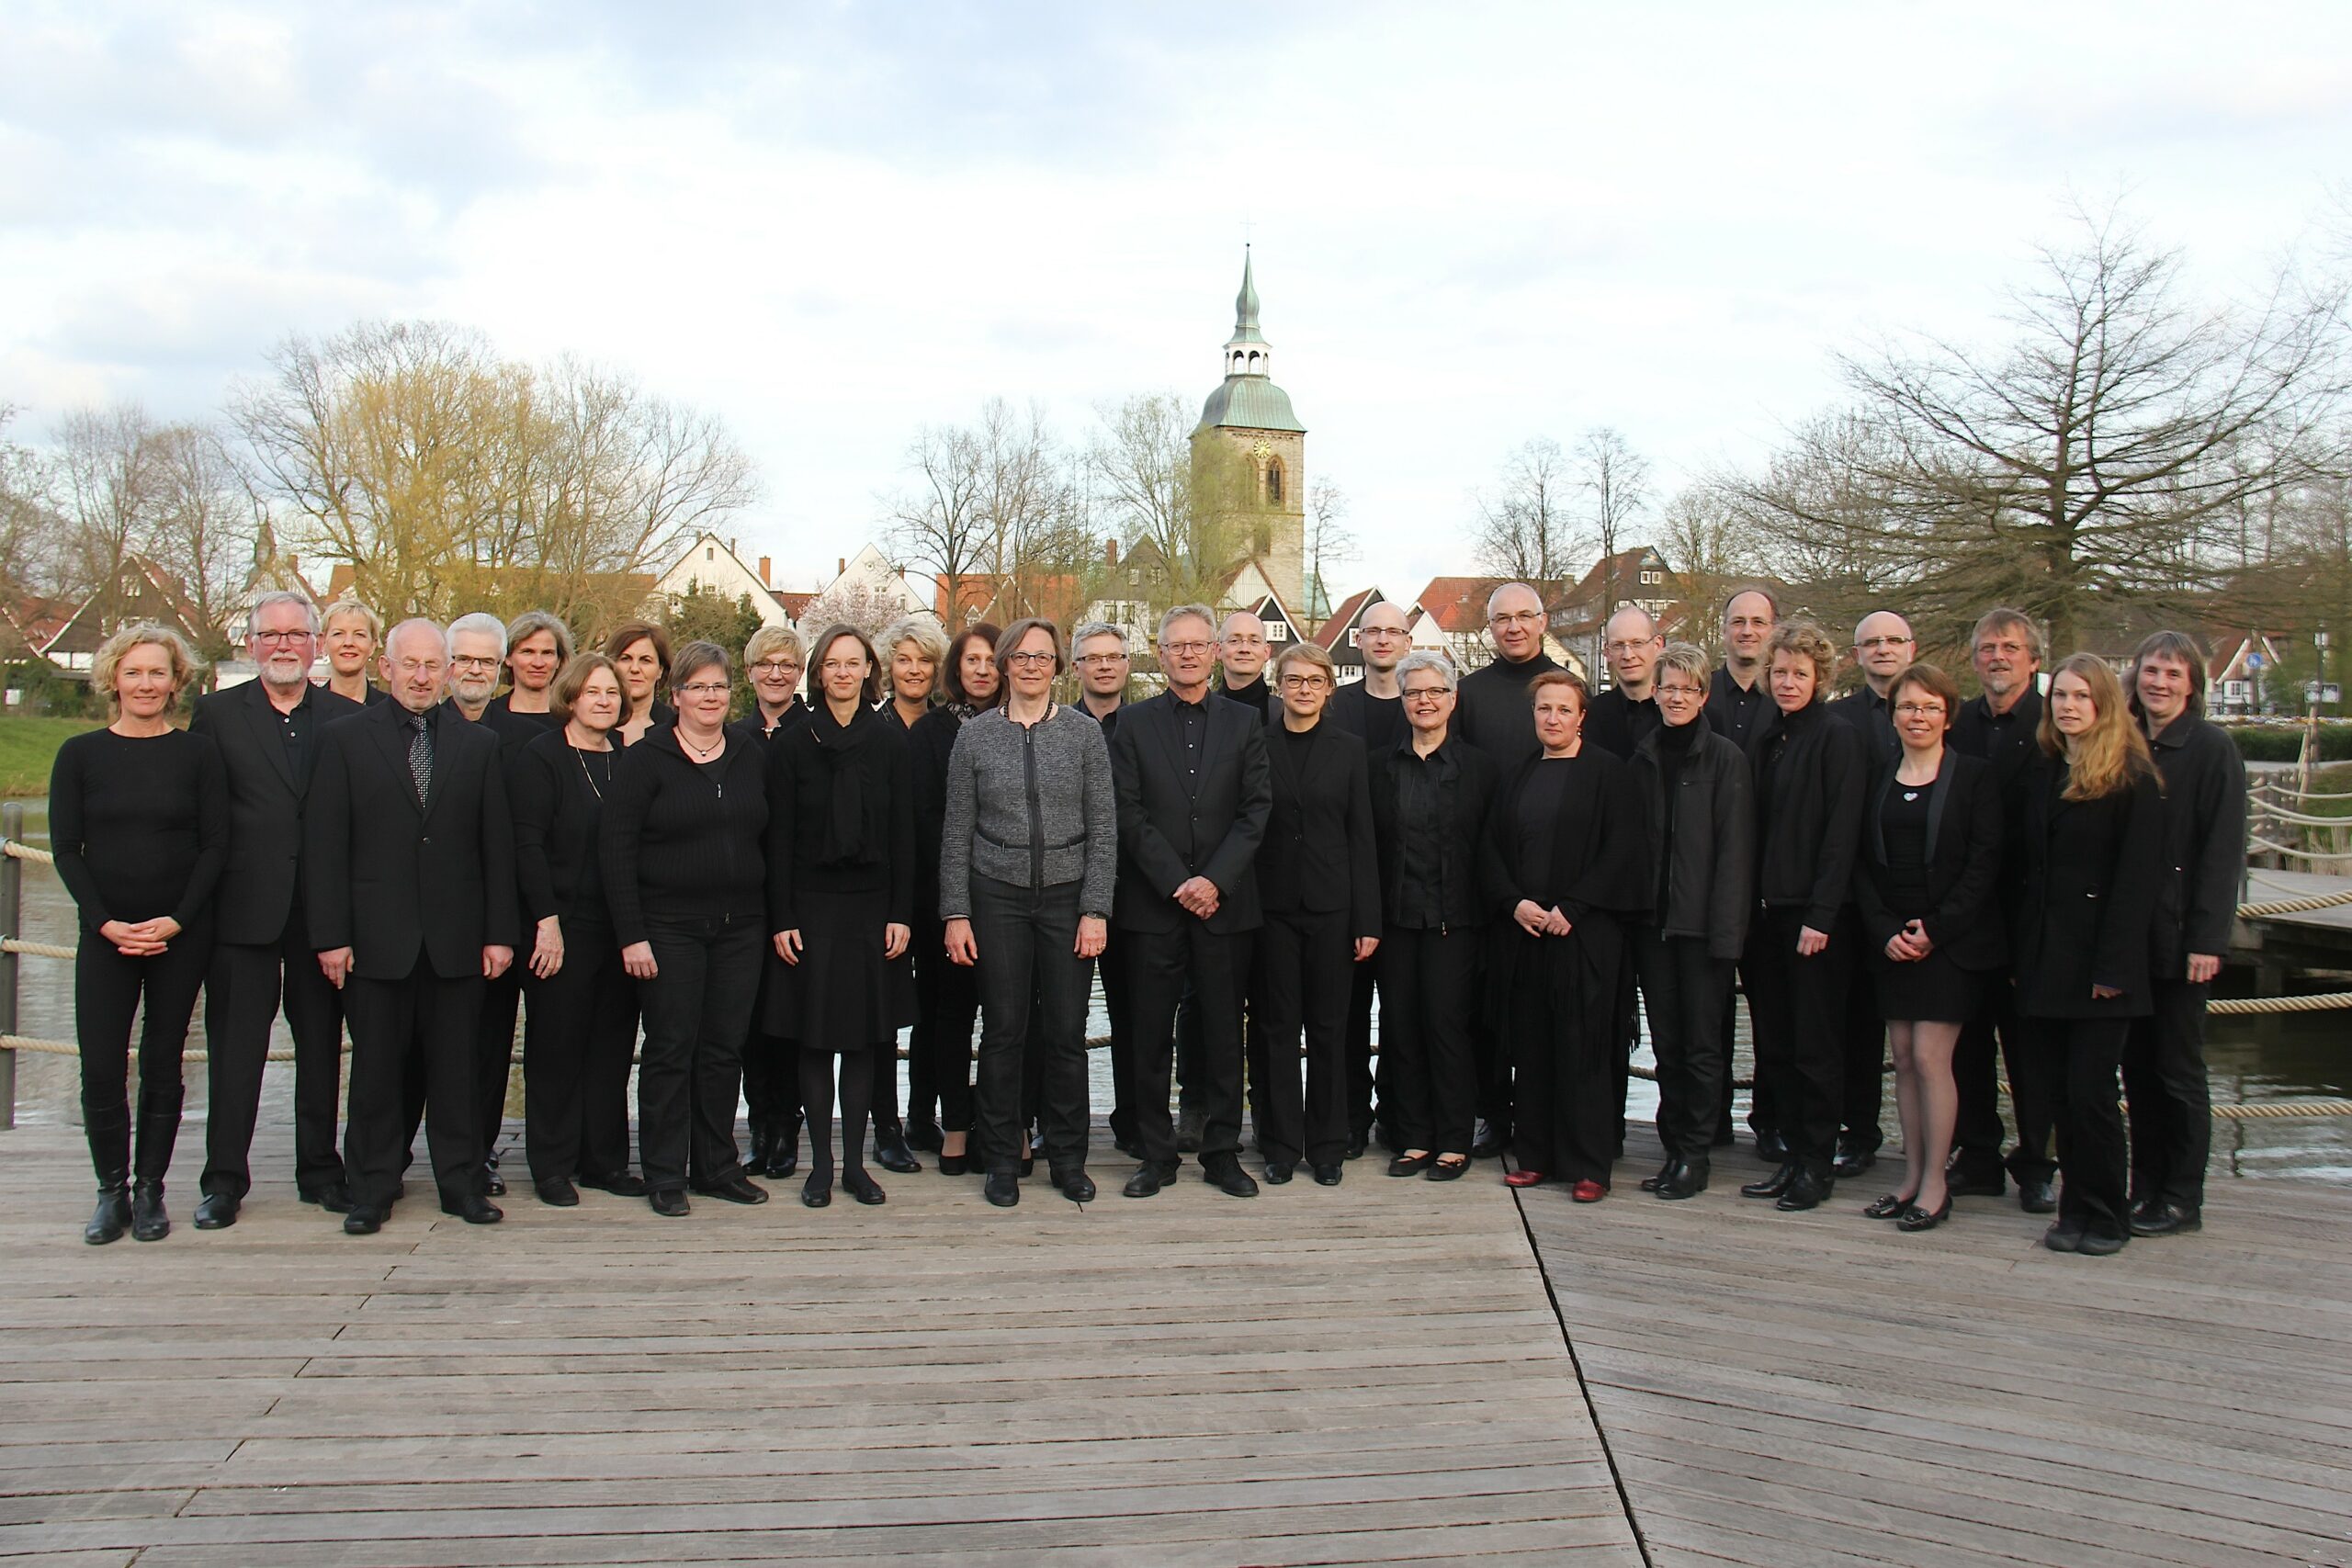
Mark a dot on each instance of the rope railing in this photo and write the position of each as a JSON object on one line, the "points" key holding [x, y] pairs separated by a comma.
{"points": [[2300, 818]]}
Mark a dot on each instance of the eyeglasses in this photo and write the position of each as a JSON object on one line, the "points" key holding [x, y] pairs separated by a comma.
{"points": [[1516, 617], [704, 689], [1619, 649], [1102, 659], [296, 635], [418, 666], [1919, 710], [1304, 682], [1425, 694], [1030, 657], [1190, 649], [473, 661], [784, 667], [1245, 642], [1679, 693], [1885, 642]]}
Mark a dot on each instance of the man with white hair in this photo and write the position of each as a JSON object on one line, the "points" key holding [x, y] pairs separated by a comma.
{"points": [[409, 878]]}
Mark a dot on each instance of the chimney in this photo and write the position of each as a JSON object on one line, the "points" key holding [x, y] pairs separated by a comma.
{"points": [[1111, 551], [841, 565], [764, 572]]}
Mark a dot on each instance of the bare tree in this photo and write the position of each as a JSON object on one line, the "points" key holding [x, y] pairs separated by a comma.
{"points": [[108, 492], [29, 527], [939, 522], [1175, 504], [1526, 528], [1328, 543], [1707, 545], [1616, 483], [204, 527]]}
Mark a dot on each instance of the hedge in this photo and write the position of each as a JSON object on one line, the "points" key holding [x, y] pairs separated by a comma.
{"points": [[2284, 742]]}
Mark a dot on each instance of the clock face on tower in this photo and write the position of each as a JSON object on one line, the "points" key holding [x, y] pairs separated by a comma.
{"points": [[1260, 450]]}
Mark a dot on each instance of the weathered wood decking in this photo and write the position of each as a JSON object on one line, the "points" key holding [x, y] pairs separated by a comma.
{"points": [[1818, 1390], [1370, 1372]]}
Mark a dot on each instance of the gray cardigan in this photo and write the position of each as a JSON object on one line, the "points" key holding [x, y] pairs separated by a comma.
{"points": [[1044, 827]]}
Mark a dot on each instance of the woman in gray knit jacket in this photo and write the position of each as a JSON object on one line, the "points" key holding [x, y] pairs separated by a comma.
{"points": [[1026, 861]]}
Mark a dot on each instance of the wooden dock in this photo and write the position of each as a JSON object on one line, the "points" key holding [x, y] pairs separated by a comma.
{"points": [[1376, 1372]]}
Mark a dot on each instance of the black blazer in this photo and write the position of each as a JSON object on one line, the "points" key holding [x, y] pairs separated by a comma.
{"points": [[387, 878], [1709, 887], [1172, 828], [1469, 862], [260, 888], [1872, 717], [2091, 873], [2204, 858], [1805, 847], [1319, 852], [1964, 836]]}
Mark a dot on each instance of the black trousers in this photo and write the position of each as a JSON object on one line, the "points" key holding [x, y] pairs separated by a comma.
{"points": [[1567, 1105], [431, 1021], [2077, 1059], [771, 1078], [1798, 1007], [1490, 1053], [1362, 983], [1684, 991], [1301, 976], [1429, 1090], [939, 1046], [1865, 1065], [107, 989], [2172, 1109], [698, 1009], [577, 1041], [1214, 965], [501, 999], [244, 991], [1033, 989], [1118, 1005], [1988, 1040]]}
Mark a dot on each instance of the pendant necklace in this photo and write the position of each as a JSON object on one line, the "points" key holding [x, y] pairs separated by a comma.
{"points": [[580, 757]]}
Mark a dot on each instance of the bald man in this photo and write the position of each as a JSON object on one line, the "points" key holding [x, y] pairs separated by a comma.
{"points": [[1883, 650], [1620, 717], [1241, 654], [1736, 700], [1372, 709]]}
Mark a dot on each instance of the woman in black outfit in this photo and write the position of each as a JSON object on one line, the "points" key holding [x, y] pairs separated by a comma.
{"points": [[1811, 772], [2093, 857], [1696, 799], [775, 660], [948, 993], [139, 820], [1568, 829], [1931, 865], [640, 651], [841, 895], [682, 843], [581, 1026]]}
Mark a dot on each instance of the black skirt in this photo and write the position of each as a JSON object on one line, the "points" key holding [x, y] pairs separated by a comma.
{"points": [[844, 995], [1933, 990]]}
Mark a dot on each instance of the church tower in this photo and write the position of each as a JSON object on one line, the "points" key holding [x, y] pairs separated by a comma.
{"points": [[1249, 453]]}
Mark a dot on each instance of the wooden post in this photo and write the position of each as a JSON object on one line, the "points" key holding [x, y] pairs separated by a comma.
{"points": [[12, 903]]}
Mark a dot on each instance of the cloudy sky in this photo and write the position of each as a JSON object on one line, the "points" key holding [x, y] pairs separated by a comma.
{"points": [[830, 223]]}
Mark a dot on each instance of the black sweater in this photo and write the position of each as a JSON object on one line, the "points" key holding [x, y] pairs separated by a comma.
{"points": [[681, 840], [1494, 714], [515, 730], [558, 796], [140, 827]]}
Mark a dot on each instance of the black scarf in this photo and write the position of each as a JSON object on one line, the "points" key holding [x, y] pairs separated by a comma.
{"points": [[855, 797]]}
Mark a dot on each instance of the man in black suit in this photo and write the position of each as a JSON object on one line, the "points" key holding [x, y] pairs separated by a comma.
{"points": [[1097, 650], [268, 730], [1194, 796], [1372, 709], [409, 875]]}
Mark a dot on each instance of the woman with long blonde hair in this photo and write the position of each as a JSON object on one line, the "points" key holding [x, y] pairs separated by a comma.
{"points": [[2093, 841]]}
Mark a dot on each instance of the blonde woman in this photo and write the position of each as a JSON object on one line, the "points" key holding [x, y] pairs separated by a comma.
{"points": [[139, 818], [349, 635], [2092, 851]]}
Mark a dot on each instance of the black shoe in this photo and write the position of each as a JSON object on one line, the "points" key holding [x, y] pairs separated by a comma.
{"points": [[1357, 1143], [334, 1197], [1441, 1170], [1914, 1218], [1687, 1178], [765, 1135], [557, 1192], [890, 1151], [1772, 1146], [1412, 1165], [216, 1212], [1652, 1183], [1002, 1189], [1190, 1122], [863, 1187], [112, 1217], [1147, 1180], [1773, 1185], [817, 1191], [2066, 1235], [1852, 1162], [1489, 1141], [1805, 1191], [474, 1209], [785, 1158], [1328, 1174], [1075, 1185], [671, 1203], [493, 1184], [2152, 1218], [1278, 1172], [957, 1165], [1228, 1176], [621, 1186], [1889, 1207], [364, 1219], [926, 1135], [148, 1220], [736, 1191], [2098, 1244], [2038, 1197]]}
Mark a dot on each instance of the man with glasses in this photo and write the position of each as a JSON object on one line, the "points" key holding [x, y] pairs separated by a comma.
{"points": [[2002, 726], [1242, 661], [1621, 716], [1194, 796], [409, 803], [1493, 713], [268, 730], [1884, 649], [477, 651], [1737, 699], [1100, 651], [1372, 709], [776, 658]]}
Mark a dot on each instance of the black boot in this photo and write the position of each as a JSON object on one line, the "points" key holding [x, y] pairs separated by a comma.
{"points": [[108, 1129], [767, 1133], [159, 1131], [890, 1151], [785, 1158]]}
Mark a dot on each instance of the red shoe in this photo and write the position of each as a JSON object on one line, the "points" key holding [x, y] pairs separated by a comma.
{"points": [[1589, 1191], [1522, 1179]]}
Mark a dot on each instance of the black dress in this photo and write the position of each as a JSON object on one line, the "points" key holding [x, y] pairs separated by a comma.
{"points": [[1932, 990]]}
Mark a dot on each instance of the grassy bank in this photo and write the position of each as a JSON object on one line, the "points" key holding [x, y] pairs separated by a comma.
{"points": [[27, 747]]}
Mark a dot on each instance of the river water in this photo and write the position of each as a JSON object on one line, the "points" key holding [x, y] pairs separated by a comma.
{"points": [[2252, 1060]]}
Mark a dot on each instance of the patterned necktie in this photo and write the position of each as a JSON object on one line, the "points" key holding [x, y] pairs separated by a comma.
{"points": [[420, 757]]}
